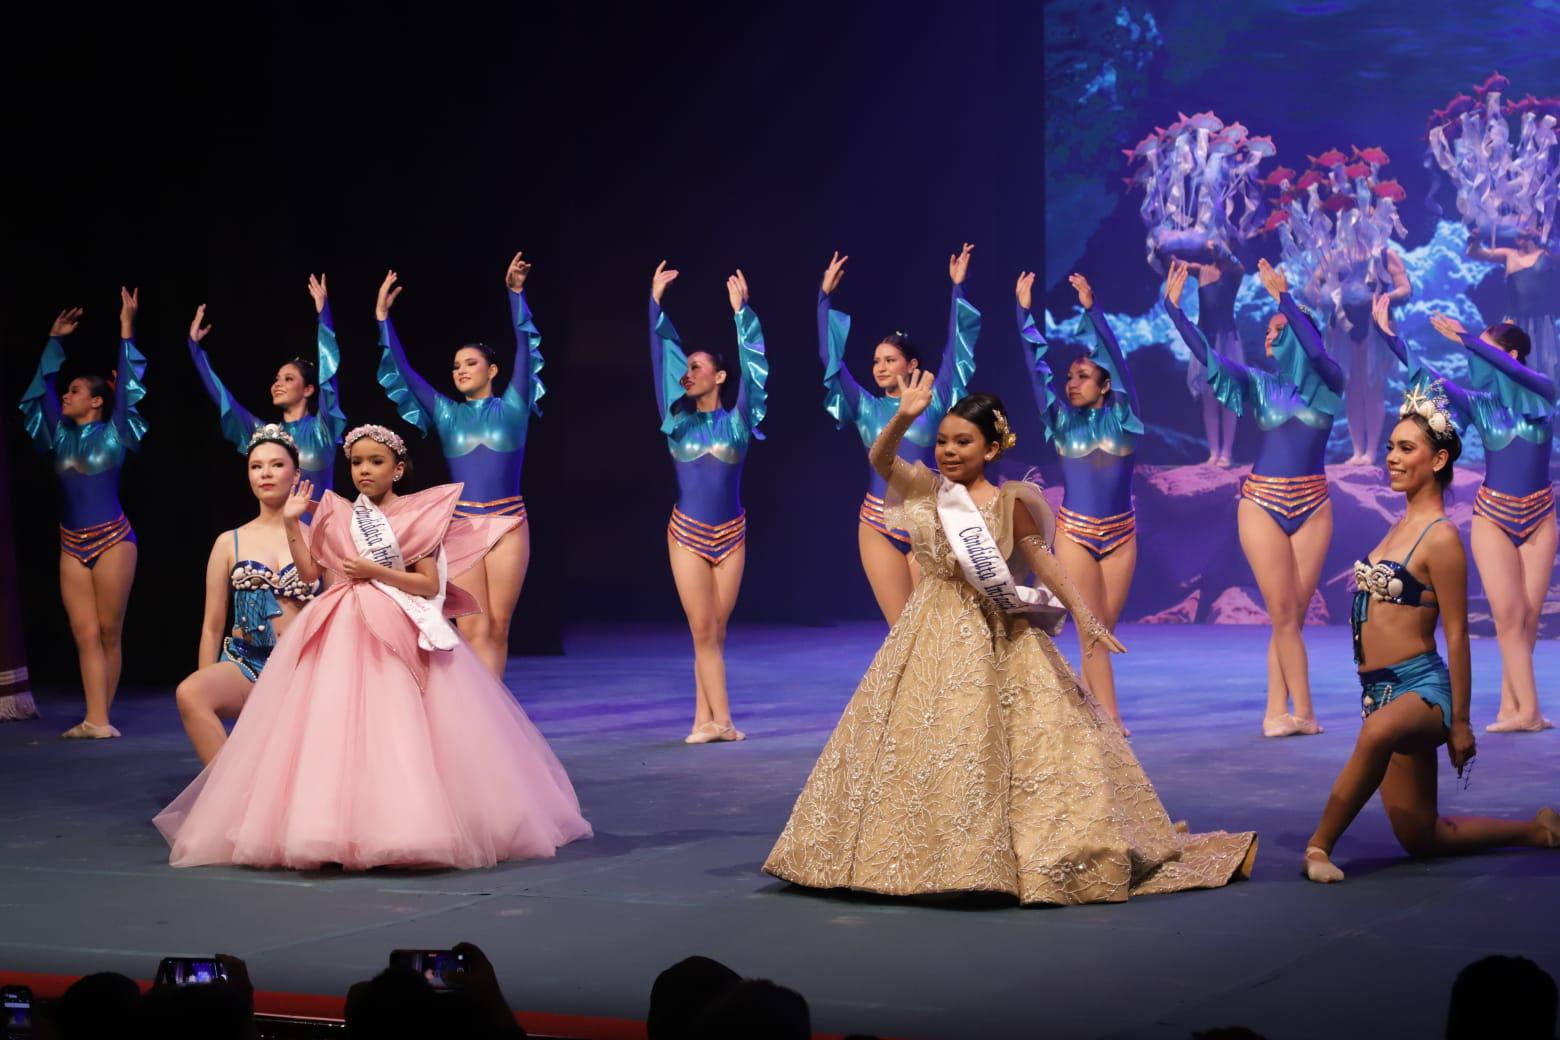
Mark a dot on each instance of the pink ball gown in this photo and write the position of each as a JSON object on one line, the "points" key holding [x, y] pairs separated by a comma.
{"points": [[359, 747]]}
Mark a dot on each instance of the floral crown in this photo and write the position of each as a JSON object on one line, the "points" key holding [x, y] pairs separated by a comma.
{"points": [[271, 433], [1006, 438], [389, 438], [1431, 405]]}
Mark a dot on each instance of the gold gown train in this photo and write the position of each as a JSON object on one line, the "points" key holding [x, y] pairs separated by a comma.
{"points": [[970, 759]]}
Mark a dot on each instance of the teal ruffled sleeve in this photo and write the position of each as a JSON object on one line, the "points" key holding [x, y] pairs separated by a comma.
{"points": [[331, 415], [752, 398], [236, 421], [129, 388], [958, 360], [841, 391], [1508, 392], [40, 404], [1040, 375], [414, 398], [669, 363], [1230, 383], [525, 390], [1298, 370]]}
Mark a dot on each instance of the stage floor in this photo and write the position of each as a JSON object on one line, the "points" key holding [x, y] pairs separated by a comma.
{"points": [[681, 833]]}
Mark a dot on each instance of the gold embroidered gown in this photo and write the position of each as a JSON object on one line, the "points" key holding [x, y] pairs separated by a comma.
{"points": [[970, 760]]}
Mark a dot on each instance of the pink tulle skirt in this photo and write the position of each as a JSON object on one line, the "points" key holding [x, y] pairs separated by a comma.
{"points": [[340, 757]]}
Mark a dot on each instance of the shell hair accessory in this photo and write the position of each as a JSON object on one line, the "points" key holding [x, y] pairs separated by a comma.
{"points": [[1006, 438], [271, 433], [389, 438], [1431, 405]]}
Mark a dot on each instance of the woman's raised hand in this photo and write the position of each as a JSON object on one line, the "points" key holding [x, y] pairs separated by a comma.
{"points": [[1272, 278], [737, 291], [66, 323], [129, 304], [834, 273], [515, 277], [197, 330], [1025, 289], [959, 266], [300, 501], [1175, 281], [318, 291], [1381, 310], [1448, 326], [388, 291], [660, 280], [1084, 290], [915, 393]]}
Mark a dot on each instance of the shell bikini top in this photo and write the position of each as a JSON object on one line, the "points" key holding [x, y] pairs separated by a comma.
{"points": [[1388, 581]]}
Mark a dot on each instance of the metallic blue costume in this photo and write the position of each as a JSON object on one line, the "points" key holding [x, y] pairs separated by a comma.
{"points": [[851, 404], [255, 591], [1096, 445], [708, 448], [88, 457], [318, 436], [1294, 407], [1514, 409], [483, 438]]}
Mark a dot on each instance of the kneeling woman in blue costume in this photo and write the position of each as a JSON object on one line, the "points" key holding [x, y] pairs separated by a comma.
{"points": [[885, 552], [298, 381], [1095, 431], [266, 594], [1513, 535], [483, 439], [1284, 516], [1412, 702], [707, 536], [88, 429]]}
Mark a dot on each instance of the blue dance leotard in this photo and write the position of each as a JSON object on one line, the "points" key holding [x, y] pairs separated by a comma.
{"points": [[483, 439], [1294, 407], [318, 436], [1513, 408], [1096, 446], [708, 448], [88, 457], [850, 403]]}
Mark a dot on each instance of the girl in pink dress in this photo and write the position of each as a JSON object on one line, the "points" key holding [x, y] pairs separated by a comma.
{"points": [[375, 737]]}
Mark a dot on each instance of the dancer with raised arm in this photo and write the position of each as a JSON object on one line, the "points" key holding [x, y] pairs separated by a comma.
{"points": [[375, 736], [1284, 516], [483, 438], [246, 565], [88, 430], [1413, 702], [969, 758], [1094, 424], [1514, 535], [299, 383], [706, 539], [885, 552]]}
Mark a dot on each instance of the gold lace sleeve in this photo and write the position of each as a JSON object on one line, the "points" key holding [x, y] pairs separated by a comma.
{"points": [[908, 483]]}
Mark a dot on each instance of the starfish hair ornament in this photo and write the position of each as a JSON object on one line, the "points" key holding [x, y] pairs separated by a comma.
{"points": [[389, 438], [1006, 438], [1431, 405], [272, 433]]}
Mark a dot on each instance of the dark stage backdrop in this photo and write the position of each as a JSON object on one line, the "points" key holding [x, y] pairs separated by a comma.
{"points": [[208, 160]]}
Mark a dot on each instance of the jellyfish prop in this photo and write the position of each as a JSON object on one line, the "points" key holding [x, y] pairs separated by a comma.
{"points": [[1506, 188], [1335, 223]]}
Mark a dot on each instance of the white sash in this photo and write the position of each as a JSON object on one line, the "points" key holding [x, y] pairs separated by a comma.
{"points": [[375, 541], [981, 561]]}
